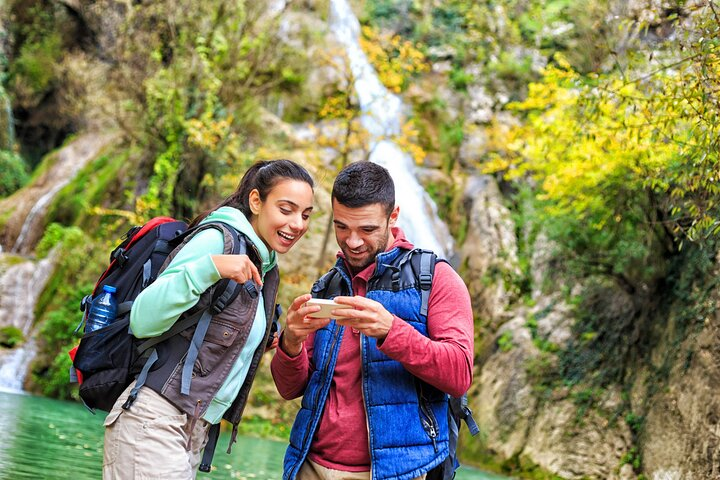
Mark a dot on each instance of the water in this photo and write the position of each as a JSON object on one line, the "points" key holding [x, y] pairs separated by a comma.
{"points": [[103, 310], [382, 117], [50, 439]]}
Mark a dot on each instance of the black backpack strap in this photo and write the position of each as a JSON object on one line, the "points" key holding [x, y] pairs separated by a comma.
{"points": [[462, 410], [428, 259], [140, 381], [213, 435], [329, 285], [427, 267]]}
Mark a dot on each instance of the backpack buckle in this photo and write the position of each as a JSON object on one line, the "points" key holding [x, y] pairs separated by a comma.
{"points": [[221, 302], [85, 302], [425, 280], [120, 256]]}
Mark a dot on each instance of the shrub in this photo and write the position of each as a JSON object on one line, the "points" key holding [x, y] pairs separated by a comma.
{"points": [[11, 336], [13, 172]]}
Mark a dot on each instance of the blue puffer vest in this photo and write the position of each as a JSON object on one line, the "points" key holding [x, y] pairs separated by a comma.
{"points": [[407, 418]]}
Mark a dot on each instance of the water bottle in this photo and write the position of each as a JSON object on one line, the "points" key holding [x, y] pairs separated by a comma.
{"points": [[103, 310]]}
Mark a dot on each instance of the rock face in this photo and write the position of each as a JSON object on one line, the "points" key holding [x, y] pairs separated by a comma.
{"points": [[550, 428], [518, 422], [489, 253], [682, 429]]}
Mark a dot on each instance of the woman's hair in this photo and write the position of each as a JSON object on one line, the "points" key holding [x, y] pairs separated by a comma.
{"points": [[364, 183], [263, 176]]}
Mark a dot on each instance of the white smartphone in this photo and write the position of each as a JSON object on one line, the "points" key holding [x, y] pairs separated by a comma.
{"points": [[326, 307]]}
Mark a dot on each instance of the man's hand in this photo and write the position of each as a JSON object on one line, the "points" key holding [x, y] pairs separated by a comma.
{"points": [[299, 325], [365, 315]]}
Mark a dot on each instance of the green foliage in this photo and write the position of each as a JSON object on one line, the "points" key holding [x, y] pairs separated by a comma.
{"points": [[50, 370], [13, 172], [635, 422], [34, 68], [57, 309], [10, 336], [505, 341], [55, 234], [55, 381], [633, 457], [620, 163], [78, 202], [256, 426], [38, 46], [193, 76]]}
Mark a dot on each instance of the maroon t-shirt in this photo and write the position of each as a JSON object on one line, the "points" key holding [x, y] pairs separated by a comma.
{"points": [[443, 360]]}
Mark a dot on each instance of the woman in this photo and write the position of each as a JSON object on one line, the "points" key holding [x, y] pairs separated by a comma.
{"points": [[164, 431]]}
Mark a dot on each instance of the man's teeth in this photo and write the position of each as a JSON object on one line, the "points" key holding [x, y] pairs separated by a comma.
{"points": [[286, 236]]}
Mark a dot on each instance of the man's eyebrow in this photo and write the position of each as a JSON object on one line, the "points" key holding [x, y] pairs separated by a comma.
{"points": [[365, 227]]}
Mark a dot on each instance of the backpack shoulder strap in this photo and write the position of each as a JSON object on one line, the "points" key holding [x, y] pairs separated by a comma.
{"points": [[423, 269], [329, 285], [425, 277], [460, 409]]}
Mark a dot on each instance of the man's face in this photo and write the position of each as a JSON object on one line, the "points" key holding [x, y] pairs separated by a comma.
{"points": [[362, 233]]}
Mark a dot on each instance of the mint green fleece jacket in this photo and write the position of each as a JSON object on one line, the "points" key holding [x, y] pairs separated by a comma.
{"points": [[179, 287]]}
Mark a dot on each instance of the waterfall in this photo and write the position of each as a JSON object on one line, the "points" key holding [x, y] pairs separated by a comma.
{"points": [[21, 284], [70, 160], [14, 366], [22, 279], [32, 218], [382, 114]]}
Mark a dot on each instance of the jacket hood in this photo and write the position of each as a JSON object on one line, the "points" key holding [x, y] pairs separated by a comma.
{"points": [[234, 217]]}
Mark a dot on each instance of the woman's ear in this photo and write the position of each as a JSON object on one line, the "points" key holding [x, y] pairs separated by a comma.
{"points": [[255, 201]]}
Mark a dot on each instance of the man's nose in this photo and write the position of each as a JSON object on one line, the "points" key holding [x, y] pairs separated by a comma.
{"points": [[354, 241]]}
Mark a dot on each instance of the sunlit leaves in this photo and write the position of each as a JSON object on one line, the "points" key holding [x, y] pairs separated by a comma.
{"points": [[629, 155], [396, 60]]}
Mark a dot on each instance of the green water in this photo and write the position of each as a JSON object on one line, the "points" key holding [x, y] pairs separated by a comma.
{"points": [[48, 439]]}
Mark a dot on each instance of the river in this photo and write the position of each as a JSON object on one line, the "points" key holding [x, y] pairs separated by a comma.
{"points": [[54, 440]]}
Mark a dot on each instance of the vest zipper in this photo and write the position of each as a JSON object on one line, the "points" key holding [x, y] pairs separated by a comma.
{"points": [[322, 375], [362, 388], [428, 420]]}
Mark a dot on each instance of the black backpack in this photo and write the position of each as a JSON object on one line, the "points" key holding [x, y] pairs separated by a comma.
{"points": [[419, 265], [107, 360]]}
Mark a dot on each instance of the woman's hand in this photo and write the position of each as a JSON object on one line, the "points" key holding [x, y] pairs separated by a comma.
{"points": [[299, 325], [237, 267]]}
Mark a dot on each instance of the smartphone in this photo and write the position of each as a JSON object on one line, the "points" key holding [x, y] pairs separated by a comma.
{"points": [[326, 307]]}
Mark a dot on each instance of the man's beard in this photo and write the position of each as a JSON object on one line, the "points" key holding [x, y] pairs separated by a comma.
{"points": [[371, 255]]}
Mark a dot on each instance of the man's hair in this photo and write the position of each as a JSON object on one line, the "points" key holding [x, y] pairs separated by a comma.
{"points": [[364, 183]]}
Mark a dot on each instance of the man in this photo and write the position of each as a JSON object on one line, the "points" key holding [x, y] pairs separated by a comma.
{"points": [[375, 382]]}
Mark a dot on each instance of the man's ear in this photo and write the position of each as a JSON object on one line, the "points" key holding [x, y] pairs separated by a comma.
{"points": [[394, 216], [255, 201]]}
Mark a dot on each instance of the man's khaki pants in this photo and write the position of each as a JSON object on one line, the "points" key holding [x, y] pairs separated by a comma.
{"points": [[149, 441], [312, 471]]}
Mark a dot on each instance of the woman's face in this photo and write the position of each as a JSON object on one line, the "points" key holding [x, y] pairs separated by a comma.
{"points": [[283, 217]]}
